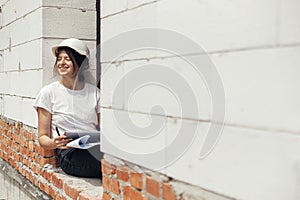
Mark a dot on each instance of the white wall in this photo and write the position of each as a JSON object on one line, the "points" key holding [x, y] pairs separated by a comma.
{"points": [[28, 31], [21, 75], [253, 46], [11, 190]]}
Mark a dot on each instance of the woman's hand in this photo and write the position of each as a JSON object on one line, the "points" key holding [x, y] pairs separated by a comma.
{"points": [[44, 129], [61, 142]]}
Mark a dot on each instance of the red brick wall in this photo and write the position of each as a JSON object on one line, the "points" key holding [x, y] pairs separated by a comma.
{"points": [[19, 147], [123, 182]]}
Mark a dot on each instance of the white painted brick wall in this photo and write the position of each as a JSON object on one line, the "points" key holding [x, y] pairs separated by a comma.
{"points": [[262, 81], [54, 26], [20, 109], [2, 2], [29, 30], [25, 29], [110, 8], [85, 5], [22, 83], [214, 25], [1, 62], [289, 22], [1, 104], [123, 22], [255, 48], [11, 189], [146, 97], [4, 83], [246, 164], [111, 130], [23, 57], [4, 34], [14, 9], [221, 25]]}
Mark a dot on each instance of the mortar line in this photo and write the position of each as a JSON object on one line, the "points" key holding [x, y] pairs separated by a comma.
{"points": [[23, 16], [4, 3], [224, 51], [22, 70], [43, 6], [14, 95], [74, 8], [35, 39], [130, 9]]}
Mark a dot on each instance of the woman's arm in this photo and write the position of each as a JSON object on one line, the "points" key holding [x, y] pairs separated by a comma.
{"points": [[44, 129], [98, 116], [98, 125]]}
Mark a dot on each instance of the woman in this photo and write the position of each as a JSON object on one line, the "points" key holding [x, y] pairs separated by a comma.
{"points": [[70, 104]]}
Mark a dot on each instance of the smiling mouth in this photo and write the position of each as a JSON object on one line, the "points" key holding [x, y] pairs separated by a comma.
{"points": [[63, 67]]}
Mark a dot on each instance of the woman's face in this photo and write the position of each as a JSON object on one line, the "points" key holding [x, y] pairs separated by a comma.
{"points": [[64, 65]]}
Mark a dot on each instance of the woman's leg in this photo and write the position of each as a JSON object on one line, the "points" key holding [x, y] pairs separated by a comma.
{"points": [[81, 162]]}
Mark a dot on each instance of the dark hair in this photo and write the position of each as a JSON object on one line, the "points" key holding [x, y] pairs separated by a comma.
{"points": [[79, 61]]}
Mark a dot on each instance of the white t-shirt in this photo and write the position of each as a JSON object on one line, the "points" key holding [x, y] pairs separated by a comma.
{"points": [[74, 110]]}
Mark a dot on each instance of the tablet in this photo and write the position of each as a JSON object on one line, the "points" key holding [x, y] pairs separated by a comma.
{"points": [[94, 135]]}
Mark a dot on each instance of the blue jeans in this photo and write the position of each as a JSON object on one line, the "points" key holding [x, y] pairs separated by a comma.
{"points": [[81, 162]]}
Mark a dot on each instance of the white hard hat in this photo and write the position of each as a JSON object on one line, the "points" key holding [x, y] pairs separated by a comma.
{"points": [[75, 44]]}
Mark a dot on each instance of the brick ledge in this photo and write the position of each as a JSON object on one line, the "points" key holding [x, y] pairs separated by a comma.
{"points": [[70, 186], [37, 169]]}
